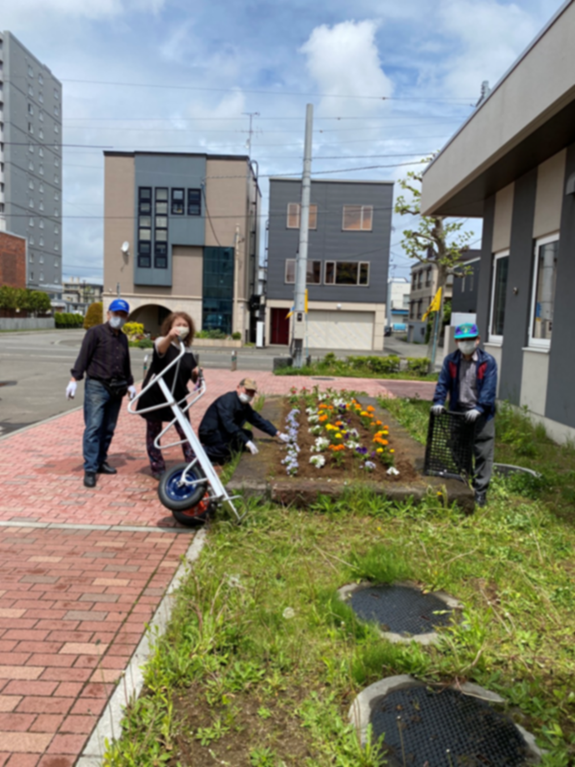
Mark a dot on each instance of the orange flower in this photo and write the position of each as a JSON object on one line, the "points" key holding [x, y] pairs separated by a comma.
{"points": [[322, 418], [339, 423], [384, 442], [322, 406], [336, 448], [379, 423], [370, 408]]}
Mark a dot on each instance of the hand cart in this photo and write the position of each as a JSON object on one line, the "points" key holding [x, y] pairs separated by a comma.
{"points": [[189, 490]]}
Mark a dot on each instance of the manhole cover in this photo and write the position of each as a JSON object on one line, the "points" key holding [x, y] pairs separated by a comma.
{"points": [[444, 728], [400, 609], [8, 383]]}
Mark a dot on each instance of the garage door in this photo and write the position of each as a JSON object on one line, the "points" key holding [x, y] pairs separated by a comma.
{"points": [[340, 330]]}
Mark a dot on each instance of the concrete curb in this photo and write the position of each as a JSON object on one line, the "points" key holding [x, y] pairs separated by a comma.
{"points": [[101, 528], [130, 685]]}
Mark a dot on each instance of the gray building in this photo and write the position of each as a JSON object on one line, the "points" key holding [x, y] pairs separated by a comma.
{"points": [[31, 161], [348, 257], [464, 298], [512, 163]]}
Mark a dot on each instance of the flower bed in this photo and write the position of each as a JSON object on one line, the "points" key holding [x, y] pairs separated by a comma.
{"points": [[335, 436]]}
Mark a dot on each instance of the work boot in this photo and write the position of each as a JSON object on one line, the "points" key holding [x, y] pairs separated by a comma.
{"points": [[105, 468], [89, 479], [480, 498]]}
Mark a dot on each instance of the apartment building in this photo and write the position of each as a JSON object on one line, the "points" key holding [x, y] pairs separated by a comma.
{"points": [[181, 232], [347, 263], [31, 161], [512, 163], [423, 287]]}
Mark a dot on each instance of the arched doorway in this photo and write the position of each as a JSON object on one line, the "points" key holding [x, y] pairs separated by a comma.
{"points": [[150, 316]]}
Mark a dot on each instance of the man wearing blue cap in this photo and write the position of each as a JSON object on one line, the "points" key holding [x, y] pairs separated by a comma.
{"points": [[105, 358], [469, 376]]}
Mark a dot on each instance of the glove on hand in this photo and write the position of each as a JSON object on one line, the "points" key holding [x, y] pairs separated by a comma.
{"points": [[284, 438], [472, 415], [71, 390], [437, 409], [132, 391], [252, 448]]}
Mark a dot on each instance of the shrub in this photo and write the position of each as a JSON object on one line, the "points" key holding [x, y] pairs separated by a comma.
{"points": [[39, 302], [94, 315], [418, 365], [142, 343], [380, 365], [133, 330], [237, 336], [210, 334], [68, 320]]}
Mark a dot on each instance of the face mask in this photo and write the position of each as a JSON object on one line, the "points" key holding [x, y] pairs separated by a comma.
{"points": [[182, 331], [245, 398], [467, 347], [117, 322]]}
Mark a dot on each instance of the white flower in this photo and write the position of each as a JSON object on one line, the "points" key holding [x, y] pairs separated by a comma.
{"points": [[311, 410], [288, 613], [313, 419], [317, 460], [393, 472], [315, 430], [351, 444], [368, 466]]}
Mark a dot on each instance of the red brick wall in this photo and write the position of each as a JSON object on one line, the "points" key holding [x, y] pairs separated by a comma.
{"points": [[12, 260]]}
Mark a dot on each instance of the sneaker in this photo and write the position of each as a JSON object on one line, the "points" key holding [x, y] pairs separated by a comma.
{"points": [[105, 468], [480, 498], [89, 479]]}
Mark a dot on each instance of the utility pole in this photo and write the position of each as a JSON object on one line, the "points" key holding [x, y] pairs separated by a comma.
{"points": [[298, 323], [251, 115]]}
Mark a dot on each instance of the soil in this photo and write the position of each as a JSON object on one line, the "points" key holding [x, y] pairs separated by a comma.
{"points": [[349, 466]]}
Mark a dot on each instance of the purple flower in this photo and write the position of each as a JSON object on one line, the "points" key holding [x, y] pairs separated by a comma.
{"points": [[361, 450]]}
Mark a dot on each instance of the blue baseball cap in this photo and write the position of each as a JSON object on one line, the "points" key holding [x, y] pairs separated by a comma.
{"points": [[119, 305], [467, 330]]}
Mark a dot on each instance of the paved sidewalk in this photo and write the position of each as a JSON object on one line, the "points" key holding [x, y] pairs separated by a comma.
{"points": [[82, 571]]}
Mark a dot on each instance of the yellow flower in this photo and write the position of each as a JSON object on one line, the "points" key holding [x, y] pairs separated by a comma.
{"points": [[338, 435], [379, 450], [392, 451], [363, 412]]}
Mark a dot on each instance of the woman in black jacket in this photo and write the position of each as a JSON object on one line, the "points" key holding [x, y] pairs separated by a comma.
{"points": [[177, 327]]}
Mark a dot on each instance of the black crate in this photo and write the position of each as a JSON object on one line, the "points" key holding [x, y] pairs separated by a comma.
{"points": [[449, 448]]}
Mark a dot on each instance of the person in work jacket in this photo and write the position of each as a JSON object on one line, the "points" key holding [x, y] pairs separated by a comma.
{"points": [[469, 378], [221, 430]]}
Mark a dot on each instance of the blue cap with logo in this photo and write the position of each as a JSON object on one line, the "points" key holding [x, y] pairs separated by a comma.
{"points": [[119, 305], [467, 330]]}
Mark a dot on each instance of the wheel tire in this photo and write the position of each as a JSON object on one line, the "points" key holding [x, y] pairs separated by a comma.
{"points": [[181, 498], [195, 516]]}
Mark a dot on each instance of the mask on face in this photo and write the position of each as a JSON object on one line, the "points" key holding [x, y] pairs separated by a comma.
{"points": [[467, 347], [182, 331], [245, 398], [117, 322]]}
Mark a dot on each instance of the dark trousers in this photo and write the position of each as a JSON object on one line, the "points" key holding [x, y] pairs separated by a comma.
{"points": [[157, 463], [483, 449], [101, 412], [219, 449]]}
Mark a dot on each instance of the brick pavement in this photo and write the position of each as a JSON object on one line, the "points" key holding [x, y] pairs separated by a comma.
{"points": [[74, 602]]}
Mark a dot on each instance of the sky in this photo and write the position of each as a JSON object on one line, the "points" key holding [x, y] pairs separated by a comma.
{"points": [[390, 82]]}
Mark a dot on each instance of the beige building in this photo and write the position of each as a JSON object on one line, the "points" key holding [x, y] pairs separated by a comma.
{"points": [[181, 232], [423, 288], [513, 164]]}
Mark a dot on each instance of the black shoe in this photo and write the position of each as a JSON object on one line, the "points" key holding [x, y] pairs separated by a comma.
{"points": [[89, 479], [105, 468], [480, 498]]}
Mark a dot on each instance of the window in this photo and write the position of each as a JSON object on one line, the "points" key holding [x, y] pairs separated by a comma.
{"points": [[56, 128], [293, 216], [41, 133], [30, 184], [41, 116], [449, 280], [41, 100], [357, 218], [30, 165], [30, 91], [544, 282], [144, 227], [41, 224], [30, 203], [31, 222], [413, 280], [411, 305], [194, 202], [56, 229], [30, 109], [161, 224], [56, 110], [31, 240], [41, 188], [177, 202], [41, 170], [56, 246], [56, 196], [31, 148], [346, 273], [40, 79], [41, 276], [313, 272], [56, 179], [30, 128], [419, 304], [56, 93], [498, 293], [428, 277], [41, 205], [30, 72]]}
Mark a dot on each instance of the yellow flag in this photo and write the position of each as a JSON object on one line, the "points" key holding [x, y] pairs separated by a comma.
{"points": [[305, 302], [434, 306]]}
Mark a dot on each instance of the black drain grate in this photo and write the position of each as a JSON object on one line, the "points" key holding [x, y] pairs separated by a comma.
{"points": [[449, 447], [400, 609], [434, 721]]}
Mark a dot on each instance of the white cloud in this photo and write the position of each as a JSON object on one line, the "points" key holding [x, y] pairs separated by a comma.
{"points": [[491, 36], [344, 60], [91, 9]]}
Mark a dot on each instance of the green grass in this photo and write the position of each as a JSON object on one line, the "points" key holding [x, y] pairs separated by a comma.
{"points": [[363, 367]]}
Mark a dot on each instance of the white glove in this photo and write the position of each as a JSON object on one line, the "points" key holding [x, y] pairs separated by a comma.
{"points": [[284, 437], [472, 415], [437, 409], [71, 390], [132, 391], [252, 448]]}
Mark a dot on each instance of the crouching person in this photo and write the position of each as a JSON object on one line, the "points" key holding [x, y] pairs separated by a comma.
{"points": [[221, 430]]}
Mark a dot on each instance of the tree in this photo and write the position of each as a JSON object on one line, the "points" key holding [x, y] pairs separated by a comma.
{"points": [[435, 241], [94, 315], [39, 302]]}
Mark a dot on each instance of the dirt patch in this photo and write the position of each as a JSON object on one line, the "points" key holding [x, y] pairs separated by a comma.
{"points": [[243, 730], [347, 465]]}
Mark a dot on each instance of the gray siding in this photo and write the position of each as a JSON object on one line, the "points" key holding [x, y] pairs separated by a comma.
{"points": [[179, 172], [486, 268], [560, 400], [33, 138], [518, 298], [466, 289], [328, 242]]}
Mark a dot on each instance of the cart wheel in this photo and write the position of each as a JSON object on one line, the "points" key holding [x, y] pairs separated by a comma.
{"points": [[175, 493], [195, 516]]}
